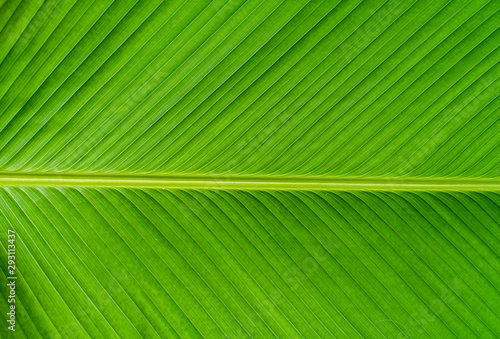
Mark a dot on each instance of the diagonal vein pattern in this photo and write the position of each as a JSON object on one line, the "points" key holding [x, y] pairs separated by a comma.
{"points": [[251, 168], [211, 263], [335, 88]]}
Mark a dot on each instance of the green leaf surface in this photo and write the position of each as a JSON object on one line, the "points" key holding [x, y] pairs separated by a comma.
{"points": [[257, 87], [168, 263], [250, 168]]}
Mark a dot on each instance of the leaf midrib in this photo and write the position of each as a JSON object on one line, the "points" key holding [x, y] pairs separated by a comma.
{"points": [[248, 182]]}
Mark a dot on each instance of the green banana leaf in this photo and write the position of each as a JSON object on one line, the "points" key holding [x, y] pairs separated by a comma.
{"points": [[249, 169]]}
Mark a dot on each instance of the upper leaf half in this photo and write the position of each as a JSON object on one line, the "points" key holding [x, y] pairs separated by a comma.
{"points": [[351, 88]]}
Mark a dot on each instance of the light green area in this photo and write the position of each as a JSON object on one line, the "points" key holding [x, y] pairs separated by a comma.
{"points": [[251, 168], [250, 182], [336, 88]]}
